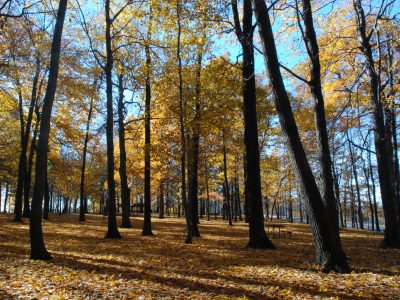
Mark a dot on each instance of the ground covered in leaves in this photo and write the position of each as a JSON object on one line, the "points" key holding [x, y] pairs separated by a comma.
{"points": [[217, 265]]}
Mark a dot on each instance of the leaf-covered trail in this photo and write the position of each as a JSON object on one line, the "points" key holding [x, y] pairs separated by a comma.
{"points": [[85, 265]]}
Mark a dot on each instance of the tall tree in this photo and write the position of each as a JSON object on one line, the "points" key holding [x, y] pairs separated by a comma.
{"points": [[383, 145], [112, 231], [125, 194], [327, 253], [193, 156], [257, 236], [325, 160], [147, 132], [82, 206], [182, 110], [38, 249]]}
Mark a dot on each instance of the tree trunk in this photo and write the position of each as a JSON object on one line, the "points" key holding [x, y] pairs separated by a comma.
{"points": [[327, 253], [112, 230], [82, 210], [207, 189], [38, 249], [125, 195], [147, 231], [182, 111], [6, 198], [325, 160], [353, 166], [301, 212], [193, 156], [27, 169], [258, 238], [393, 123], [46, 199], [227, 195], [161, 205], [28, 173], [373, 193], [382, 144], [371, 208], [22, 161]]}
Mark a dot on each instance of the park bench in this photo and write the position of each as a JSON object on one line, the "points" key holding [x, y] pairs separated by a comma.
{"points": [[287, 233], [276, 230]]}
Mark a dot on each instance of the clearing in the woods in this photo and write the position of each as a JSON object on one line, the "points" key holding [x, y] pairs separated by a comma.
{"points": [[217, 265]]}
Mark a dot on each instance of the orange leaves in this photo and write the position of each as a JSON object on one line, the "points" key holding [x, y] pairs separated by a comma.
{"points": [[216, 266]]}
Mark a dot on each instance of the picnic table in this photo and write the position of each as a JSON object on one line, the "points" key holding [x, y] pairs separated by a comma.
{"points": [[276, 229]]}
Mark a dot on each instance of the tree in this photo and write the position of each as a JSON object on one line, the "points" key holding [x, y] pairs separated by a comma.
{"points": [[325, 160], [83, 200], [182, 110], [125, 195], [257, 236], [326, 250], [38, 249], [383, 145], [147, 191], [112, 231]]}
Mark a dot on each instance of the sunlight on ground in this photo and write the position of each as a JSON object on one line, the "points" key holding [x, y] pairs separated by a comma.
{"points": [[217, 265]]}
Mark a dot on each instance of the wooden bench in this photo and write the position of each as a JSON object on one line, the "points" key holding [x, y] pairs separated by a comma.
{"points": [[287, 233]]}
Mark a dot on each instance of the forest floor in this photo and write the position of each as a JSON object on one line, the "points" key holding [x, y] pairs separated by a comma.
{"points": [[217, 265]]}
